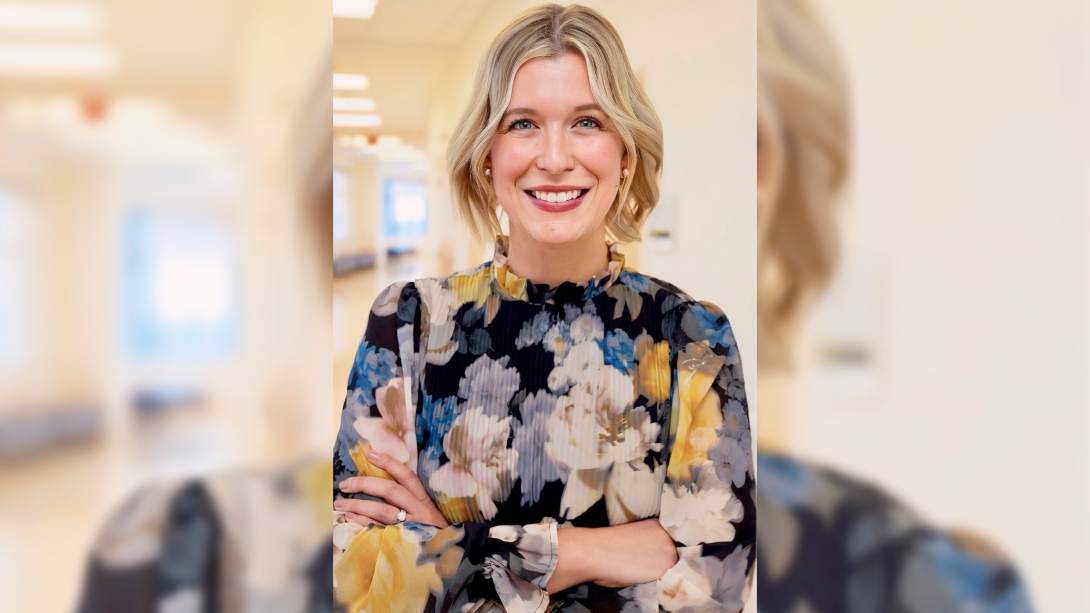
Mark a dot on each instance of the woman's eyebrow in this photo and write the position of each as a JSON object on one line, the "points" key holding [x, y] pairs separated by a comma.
{"points": [[587, 107], [522, 110]]}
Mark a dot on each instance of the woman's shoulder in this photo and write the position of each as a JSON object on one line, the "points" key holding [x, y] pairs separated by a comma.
{"points": [[409, 293], [685, 320], [811, 512], [699, 317]]}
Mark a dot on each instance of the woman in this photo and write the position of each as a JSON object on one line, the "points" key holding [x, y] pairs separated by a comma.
{"points": [[550, 430], [829, 542]]}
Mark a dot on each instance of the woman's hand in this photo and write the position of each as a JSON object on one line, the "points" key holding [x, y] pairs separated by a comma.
{"points": [[617, 556], [406, 492]]}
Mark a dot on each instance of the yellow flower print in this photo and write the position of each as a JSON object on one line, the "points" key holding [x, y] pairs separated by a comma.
{"points": [[473, 288], [697, 414], [462, 508], [652, 368], [364, 466], [394, 569]]}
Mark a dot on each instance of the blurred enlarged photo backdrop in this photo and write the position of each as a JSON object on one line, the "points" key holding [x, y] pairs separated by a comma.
{"points": [[165, 180], [922, 317]]}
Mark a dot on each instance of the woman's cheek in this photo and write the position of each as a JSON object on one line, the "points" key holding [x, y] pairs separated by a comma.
{"points": [[602, 157], [511, 158]]}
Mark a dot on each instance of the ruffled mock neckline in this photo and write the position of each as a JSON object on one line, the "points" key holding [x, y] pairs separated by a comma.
{"points": [[511, 286]]}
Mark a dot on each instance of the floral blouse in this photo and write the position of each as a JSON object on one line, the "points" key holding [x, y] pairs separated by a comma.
{"points": [[830, 543], [524, 408]]}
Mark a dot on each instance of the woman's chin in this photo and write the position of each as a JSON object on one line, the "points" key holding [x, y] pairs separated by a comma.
{"points": [[557, 233]]}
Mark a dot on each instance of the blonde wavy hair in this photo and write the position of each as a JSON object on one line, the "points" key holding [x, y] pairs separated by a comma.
{"points": [[804, 111], [551, 31]]}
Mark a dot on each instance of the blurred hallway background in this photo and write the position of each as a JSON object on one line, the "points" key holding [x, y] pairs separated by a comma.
{"points": [[405, 75], [947, 364], [164, 280]]}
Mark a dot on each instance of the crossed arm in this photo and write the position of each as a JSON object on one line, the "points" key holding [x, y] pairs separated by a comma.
{"points": [[615, 556]]}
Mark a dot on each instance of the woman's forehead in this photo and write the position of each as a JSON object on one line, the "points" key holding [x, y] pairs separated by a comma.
{"points": [[548, 84]]}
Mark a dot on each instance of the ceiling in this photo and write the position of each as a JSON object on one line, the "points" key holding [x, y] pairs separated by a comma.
{"points": [[403, 50], [183, 53]]}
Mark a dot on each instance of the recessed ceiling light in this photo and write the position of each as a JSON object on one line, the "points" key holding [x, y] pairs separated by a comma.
{"points": [[342, 80], [352, 120], [49, 17], [355, 9], [363, 105], [56, 59]]}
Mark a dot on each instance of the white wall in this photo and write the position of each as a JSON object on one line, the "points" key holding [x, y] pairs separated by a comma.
{"points": [[970, 192]]}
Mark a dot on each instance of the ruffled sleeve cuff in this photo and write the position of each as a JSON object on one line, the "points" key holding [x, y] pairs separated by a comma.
{"points": [[521, 562], [705, 584]]}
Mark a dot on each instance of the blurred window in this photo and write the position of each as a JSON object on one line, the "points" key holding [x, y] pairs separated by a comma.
{"points": [[181, 286], [19, 270], [405, 207], [342, 205]]}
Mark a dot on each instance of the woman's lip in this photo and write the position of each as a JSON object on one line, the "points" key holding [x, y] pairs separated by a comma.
{"points": [[557, 207], [554, 188]]}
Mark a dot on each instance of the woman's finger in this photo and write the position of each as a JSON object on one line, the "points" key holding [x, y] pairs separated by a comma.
{"points": [[363, 520], [391, 492], [382, 512], [401, 473]]}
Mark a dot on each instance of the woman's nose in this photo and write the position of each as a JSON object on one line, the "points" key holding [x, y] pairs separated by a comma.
{"points": [[555, 157]]}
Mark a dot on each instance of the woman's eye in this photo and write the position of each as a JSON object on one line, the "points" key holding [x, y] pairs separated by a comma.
{"points": [[587, 122], [521, 124]]}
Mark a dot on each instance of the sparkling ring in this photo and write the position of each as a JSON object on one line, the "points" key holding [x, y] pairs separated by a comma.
{"points": [[400, 515]]}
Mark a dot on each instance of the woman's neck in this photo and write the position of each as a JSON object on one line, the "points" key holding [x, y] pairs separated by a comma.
{"points": [[548, 264]]}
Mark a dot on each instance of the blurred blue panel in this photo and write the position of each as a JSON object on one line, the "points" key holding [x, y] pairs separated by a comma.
{"points": [[182, 286], [405, 208]]}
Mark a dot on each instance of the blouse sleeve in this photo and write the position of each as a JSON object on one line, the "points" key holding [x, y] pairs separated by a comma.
{"points": [[413, 567], [708, 499]]}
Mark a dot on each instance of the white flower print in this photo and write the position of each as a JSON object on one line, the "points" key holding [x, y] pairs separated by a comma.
{"points": [[392, 433], [582, 364], [640, 598], [481, 466], [702, 514], [731, 461], [440, 304], [533, 331], [690, 583], [489, 385], [535, 466], [558, 340], [595, 433], [572, 430], [387, 301], [587, 327], [735, 420]]}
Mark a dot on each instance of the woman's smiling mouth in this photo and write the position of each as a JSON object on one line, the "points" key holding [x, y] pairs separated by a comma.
{"points": [[556, 199]]}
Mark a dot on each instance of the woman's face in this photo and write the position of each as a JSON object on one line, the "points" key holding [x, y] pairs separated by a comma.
{"points": [[556, 162]]}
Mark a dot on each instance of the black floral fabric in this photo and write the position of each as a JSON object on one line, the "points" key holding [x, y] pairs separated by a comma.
{"points": [[524, 408]]}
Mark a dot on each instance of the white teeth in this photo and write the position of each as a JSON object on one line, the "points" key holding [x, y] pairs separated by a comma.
{"points": [[557, 196]]}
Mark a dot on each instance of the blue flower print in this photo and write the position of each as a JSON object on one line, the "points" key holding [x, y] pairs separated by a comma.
{"points": [[374, 367], [619, 350]]}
